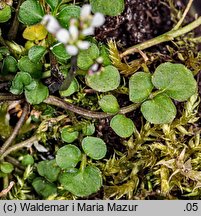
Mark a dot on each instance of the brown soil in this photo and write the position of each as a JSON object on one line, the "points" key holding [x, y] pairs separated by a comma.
{"points": [[141, 20]]}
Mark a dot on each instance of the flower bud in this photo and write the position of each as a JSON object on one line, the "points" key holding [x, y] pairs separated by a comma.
{"points": [[74, 33]]}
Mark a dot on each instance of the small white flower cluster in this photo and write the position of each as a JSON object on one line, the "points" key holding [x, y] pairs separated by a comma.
{"points": [[73, 38]]}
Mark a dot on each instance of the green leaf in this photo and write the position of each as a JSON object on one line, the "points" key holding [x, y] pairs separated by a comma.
{"points": [[71, 89], [37, 95], [43, 187], [175, 80], [122, 126], [140, 87], [2, 175], [86, 57], [94, 147], [5, 14], [159, 110], [6, 167], [27, 160], [66, 13], [104, 53], [4, 51], [82, 183], [9, 65], [109, 104], [31, 12], [48, 169], [107, 80], [108, 7], [26, 65], [34, 33], [36, 53], [60, 52], [88, 129], [53, 3], [21, 81], [68, 135], [68, 156]]}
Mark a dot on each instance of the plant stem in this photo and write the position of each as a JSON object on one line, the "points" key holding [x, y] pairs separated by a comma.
{"points": [[15, 162], [16, 129], [83, 162], [168, 36], [9, 97], [71, 75], [177, 26], [18, 146], [56, 78], [52, 100], [195, 40], [6, 190], [15, 24]]}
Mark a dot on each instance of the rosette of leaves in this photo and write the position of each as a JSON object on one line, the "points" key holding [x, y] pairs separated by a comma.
{"points": [[85, 180], [173, 81], [35, 92]]}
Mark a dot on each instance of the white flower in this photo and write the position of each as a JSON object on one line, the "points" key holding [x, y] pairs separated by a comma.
{"points": [[62, 36], [72, 50], [74, 33], [94, 67], [52, 25], [98, 20], [85, 11], [83, 45], [88, 31]]}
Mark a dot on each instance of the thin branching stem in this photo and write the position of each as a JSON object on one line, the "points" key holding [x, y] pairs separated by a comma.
{"points": [[16, 129], [71, 75], [9, 97], [177, 26], [52, 100], [6, 190], [15, 162], [20, 145], [168, 36], [15, 24]]}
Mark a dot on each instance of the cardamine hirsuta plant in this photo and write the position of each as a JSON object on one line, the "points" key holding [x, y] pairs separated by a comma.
{"points": [[84, 113]]}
